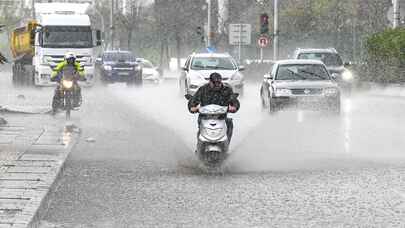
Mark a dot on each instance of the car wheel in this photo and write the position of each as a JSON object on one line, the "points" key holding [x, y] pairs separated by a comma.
{"points": [[136, 80], [263, 99], [272, 107], [335, 107], [181, 88]]}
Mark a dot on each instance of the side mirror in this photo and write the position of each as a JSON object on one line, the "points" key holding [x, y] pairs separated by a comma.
{"points": [[184, 68], [98, 38], [242, 68], [98, 60], [347, 64], [268, 76], [188, 96], [334, 76]]}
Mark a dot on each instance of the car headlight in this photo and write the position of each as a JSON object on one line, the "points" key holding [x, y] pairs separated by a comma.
{"points": [[237, 76], [67, 84], [330, 91], [283, 92], [347, 75], [107, 67]]}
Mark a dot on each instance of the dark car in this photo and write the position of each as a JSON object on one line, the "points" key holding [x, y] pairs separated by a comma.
{"points": [[119, 66]]}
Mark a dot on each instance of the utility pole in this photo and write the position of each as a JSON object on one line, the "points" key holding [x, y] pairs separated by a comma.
{"points": [[112, 25], [209, 33], [33, 8], [397, 16], [275, 54]]}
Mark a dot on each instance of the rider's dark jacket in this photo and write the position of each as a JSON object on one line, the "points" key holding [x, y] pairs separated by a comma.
{"points": [[206, 95]]}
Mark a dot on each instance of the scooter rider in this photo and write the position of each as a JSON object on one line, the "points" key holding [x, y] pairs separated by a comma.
{"points": [[215, 92], [70, 60]]}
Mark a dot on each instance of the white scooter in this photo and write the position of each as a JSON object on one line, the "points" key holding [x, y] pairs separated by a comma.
{"points": [[212, 138]]}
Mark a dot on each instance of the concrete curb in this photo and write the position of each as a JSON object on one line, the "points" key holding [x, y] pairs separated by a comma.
{"points": [[58, 172]]}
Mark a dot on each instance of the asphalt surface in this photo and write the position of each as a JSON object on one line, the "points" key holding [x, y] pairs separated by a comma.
{"points": [[134, 166]]}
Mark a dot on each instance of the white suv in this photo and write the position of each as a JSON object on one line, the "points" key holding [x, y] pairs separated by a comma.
{"points": [[199, 67]]}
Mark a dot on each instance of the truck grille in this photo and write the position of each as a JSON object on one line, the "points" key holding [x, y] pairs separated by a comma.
{"points": [[56, 59]]}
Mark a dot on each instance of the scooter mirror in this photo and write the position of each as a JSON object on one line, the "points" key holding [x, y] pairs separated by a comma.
{"points": [[188, 96]]}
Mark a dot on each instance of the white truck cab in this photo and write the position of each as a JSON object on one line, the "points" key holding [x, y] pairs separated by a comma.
{"points": [[63, 27]]}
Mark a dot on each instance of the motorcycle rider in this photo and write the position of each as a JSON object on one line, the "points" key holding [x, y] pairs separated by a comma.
{"points": [[215, 92], [70, 60]]}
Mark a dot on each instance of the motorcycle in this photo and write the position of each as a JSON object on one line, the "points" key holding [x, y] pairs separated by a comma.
{"points": [[66, 91], [212, 139]]}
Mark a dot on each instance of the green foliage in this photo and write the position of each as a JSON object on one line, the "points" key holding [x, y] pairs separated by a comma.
{"points": [[386, 56], [386, 45]]}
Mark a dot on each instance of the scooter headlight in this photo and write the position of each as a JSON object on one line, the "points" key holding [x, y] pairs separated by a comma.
{"points": [[67, 84], [214, 133]]}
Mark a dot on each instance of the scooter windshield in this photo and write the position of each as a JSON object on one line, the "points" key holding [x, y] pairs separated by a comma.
{"points": [[213, 110]]}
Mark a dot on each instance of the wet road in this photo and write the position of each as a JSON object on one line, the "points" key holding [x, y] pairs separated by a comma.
{"points": [[295, 169]]}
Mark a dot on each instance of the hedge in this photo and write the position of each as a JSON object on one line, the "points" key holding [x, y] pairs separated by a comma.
{"points": [[386, 56]]}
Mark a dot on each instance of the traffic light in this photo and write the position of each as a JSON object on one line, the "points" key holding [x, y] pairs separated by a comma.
{"points": [[264, 23]]}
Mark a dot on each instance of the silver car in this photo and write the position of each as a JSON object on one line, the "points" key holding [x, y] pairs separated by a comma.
{"points": [[300, 83], [199, 67]]}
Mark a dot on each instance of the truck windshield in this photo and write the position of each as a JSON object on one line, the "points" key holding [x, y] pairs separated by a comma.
{"points": [[67, 37]]}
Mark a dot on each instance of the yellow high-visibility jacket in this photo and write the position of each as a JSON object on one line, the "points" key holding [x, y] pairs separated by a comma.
{"points": [[62, 65]]}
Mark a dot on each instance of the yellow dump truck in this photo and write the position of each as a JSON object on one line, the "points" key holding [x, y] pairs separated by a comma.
{"points": [[22, 48]]}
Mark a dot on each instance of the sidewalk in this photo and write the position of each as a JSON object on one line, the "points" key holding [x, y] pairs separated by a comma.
{"points": [[33, 149]]}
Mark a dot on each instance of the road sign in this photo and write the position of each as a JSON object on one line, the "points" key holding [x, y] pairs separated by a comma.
{"points": [[263, 41], [240, 34]]}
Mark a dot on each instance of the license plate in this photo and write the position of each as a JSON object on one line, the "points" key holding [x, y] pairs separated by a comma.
{"points": [[123, 73]]}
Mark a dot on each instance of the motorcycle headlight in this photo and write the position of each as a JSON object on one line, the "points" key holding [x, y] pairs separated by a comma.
{"points": [[107, 67], [347, 75], [138, 68], [67, 84], [283, 92], [330, 91]]}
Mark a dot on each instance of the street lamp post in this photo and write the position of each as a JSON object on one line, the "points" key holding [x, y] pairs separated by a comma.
{"points": [[209, 38], [397, 16], [112, 25], [275, 54]]}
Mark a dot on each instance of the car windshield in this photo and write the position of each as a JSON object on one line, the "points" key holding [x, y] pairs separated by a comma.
{"points": [[329, 59], [67, 37], [116, 57], [312, 72], [213, 63]]}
